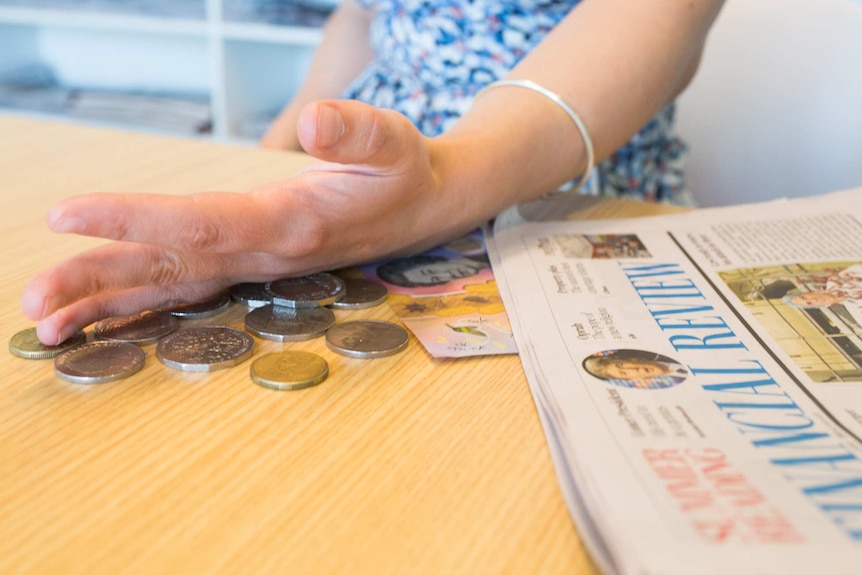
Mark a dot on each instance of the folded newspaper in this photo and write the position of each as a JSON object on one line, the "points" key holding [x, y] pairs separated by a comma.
{"points": [[699, 380]]}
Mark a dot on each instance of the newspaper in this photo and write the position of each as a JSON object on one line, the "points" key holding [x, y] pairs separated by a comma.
{"points": [[699, 380]]}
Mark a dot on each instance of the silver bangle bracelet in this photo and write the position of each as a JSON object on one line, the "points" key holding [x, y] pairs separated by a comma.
{"points": [[555, 98]]}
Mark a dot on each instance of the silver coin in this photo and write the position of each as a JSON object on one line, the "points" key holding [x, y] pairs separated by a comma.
{"points": [[289, 370], [280, 323], [205, 348], [308, 291], [361, 293], [366, 338], [201, 309], [99, 361], [250, 294], [26, 344], [141, 328]]}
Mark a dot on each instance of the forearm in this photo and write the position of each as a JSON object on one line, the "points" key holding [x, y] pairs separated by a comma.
{"points": [[341, 55], [616, 62]]}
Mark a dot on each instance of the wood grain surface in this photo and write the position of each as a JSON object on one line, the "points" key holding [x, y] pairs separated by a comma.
{"points": [[403, 464]]}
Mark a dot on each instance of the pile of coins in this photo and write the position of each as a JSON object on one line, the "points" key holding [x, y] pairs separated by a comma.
{"points": [[289, 309]]}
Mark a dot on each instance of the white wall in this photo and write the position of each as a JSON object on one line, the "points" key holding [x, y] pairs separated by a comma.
{"points": [[776, 107]]}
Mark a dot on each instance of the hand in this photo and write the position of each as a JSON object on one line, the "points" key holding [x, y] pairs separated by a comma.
{"points": [[375, 193]]}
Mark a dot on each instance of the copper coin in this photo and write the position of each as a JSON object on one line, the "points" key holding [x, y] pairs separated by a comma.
{"points": [[144, 327], [206, 308]]}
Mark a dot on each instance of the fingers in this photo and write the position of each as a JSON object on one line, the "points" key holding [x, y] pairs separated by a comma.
{"points": [[60, 325], [350, 132], [373, 191], [117, 267], [208, 222]]}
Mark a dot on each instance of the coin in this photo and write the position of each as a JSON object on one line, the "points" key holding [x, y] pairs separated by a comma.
{"points": [[205, 348], [26, 344], [250, 294], [281, 323], [144, 327], [289, 370], [308, 291], [206, 308], [366, 338], [99, 361], [361, 293]]}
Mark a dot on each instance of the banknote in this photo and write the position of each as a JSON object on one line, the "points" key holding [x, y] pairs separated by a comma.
{"points": [[448, 298]]}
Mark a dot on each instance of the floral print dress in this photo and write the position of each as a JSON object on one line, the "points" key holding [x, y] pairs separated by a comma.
{"points": [[432, 57]]}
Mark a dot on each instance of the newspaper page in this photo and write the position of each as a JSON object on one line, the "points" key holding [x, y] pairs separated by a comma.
{"points": [[699, 380]]}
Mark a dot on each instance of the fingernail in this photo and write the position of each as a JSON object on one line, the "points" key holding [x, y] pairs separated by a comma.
{"points": [[330, 127], [65, 334], [60, 223], [45, 335]]}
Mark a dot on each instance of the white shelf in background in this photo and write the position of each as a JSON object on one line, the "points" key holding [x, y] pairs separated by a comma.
{"points": [[271, 34], [113, 22], [246, 69]]}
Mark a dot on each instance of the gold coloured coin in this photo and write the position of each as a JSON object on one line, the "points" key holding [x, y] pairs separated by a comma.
{"points": [[289, 370], [26, 344]]}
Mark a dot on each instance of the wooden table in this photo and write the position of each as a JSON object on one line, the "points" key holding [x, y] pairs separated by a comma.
{"points": [[404, 464]]}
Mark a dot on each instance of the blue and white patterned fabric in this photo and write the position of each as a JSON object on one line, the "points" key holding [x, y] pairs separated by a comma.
{"points": [[433, 56]]}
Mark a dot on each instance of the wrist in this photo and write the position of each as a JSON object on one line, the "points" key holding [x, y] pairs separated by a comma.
{"points": [[577, 121], [511, 147], [470, 186]]}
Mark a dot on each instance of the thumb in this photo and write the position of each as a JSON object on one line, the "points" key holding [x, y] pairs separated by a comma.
{"points": [[351, 132]]}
